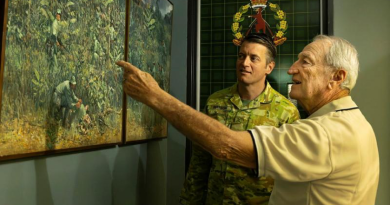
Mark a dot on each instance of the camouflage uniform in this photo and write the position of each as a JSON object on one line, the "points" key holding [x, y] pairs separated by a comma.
{"points": [[212, 181], [64, 100], [53, 40]]}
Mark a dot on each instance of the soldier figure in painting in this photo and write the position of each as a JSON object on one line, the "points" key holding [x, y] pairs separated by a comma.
{"points": [[53, 42], [55, 27], [65, 100], [62, 102], [84, 121]]}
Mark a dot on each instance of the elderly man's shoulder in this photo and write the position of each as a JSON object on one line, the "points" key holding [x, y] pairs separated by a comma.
{"points": [[340, 119]]}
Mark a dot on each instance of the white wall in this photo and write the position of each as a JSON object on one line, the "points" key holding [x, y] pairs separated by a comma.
{"points": [[110, 176], [176, 141], [366, 24]]}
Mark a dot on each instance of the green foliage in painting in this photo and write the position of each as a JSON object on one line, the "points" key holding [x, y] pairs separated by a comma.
{"points": [[149, 49], [48, 42]]}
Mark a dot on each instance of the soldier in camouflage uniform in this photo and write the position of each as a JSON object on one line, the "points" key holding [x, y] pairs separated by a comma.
{"points": [[64, 100], [248, 103], [54, 42]]}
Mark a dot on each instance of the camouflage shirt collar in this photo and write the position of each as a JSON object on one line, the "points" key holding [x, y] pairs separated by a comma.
{"points": [[264, 98]]}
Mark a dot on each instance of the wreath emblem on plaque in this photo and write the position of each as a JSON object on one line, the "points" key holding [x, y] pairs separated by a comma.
{"points": [[259, 24]]}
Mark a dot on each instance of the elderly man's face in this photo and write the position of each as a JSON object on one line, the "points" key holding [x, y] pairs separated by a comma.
{"points": [[310, 79], [251, 66]]}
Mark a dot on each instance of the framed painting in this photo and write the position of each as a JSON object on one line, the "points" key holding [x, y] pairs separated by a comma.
{"points": [[150, 35], [59, 87]]}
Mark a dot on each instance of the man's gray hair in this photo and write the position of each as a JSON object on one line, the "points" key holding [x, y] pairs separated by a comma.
{"points": [[342, 55]]}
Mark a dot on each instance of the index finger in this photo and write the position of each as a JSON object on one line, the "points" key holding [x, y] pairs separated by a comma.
{"points": [[128, 67]]}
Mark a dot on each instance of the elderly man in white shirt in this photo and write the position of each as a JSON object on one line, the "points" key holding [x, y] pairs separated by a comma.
{"points": [[329, 158]]}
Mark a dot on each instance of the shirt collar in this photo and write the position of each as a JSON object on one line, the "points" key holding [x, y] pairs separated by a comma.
{"points": [[341, 103], [264, 97]]}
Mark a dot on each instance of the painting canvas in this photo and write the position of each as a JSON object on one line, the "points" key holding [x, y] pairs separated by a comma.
{"points": [[60, 87], [150, 33]]}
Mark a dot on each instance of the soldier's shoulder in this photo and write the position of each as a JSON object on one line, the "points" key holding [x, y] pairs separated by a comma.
{"points": [[221, 95], [286, 110], [282, 100]]}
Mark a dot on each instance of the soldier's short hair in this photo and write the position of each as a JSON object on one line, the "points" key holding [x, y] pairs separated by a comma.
{"points": [[264, 40]]}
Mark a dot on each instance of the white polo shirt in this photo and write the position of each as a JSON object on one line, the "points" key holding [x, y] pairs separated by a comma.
{"points": [[330, 158]]}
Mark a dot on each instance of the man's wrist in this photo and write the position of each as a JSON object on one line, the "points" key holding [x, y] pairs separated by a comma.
{"points": [[156, 97]]}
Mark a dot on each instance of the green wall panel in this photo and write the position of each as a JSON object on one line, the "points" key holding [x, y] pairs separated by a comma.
{"points": [[218, 53]]}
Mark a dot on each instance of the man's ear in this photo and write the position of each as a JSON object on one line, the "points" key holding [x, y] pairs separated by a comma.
{"points": [[337, 78], [269, 67]]}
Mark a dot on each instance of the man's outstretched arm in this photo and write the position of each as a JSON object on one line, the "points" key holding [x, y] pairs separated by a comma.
{"points": [[201, 129]]}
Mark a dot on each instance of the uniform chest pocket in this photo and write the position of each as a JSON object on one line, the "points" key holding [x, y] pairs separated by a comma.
{"points": [[219, 113]]}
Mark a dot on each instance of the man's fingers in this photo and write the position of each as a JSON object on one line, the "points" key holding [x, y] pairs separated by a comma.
{"points": [[128, 68]]}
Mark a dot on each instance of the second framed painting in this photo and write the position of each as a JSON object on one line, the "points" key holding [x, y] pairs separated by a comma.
{"points": [[150, 32]]}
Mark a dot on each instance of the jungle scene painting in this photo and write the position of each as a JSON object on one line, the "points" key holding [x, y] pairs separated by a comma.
{"points": [[61, 88], [150, 34]]}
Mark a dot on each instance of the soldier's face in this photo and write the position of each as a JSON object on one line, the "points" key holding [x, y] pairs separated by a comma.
{"points": [[310, 77], [72, 86], [251, 66], [58, 17]]}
